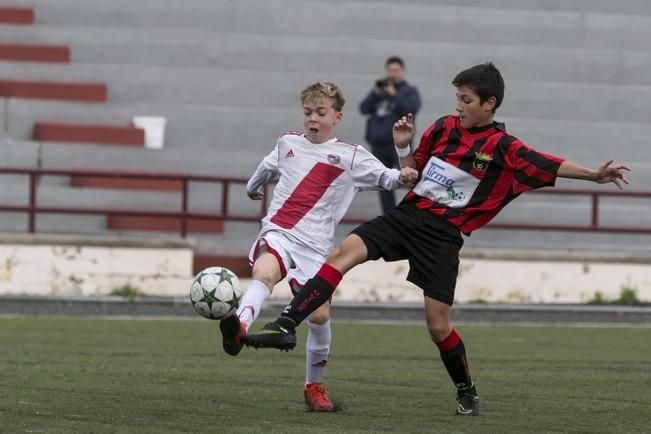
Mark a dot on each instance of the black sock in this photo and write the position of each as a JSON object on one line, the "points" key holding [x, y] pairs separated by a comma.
{"points": [[453, 355], [315, 293]]}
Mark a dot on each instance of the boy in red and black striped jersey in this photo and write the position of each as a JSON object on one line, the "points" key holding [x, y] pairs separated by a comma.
{"points": [[470, 168]]}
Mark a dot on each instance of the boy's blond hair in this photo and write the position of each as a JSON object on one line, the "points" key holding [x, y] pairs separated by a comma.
{"points": [[324, 89]]}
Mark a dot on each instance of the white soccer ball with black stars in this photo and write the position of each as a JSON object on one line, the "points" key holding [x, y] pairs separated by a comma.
{"points": [[215, 292]]}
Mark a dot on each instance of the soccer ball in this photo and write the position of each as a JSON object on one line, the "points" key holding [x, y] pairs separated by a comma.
{"points": [[215, 292]]}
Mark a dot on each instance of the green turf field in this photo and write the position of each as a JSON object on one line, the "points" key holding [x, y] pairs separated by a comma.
{"points": [[100, 376]]}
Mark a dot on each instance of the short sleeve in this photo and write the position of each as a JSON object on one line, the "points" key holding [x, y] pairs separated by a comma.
{"points": [[531, 169]]}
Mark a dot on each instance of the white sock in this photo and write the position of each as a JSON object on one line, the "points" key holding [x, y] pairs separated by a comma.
{"points": [[317, 351], [251, 302]]}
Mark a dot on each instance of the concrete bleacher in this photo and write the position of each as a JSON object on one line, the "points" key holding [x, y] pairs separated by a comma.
{"points": [[226, 75]]}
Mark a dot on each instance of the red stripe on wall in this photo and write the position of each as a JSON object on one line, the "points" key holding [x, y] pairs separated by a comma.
{"points": [[67, 91], [306, 194], [35, 53], [16, 15], [88, 133]]}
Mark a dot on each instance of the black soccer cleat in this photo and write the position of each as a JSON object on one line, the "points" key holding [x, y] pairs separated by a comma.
{"points": [[467, 404], [233, 334], [273, 335]]}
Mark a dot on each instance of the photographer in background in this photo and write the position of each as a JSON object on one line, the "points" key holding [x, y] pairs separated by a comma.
{"points": [[390, 99]]}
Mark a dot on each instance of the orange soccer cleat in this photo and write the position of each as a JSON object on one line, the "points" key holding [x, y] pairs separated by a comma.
{"points": [[316, 397], [233, 334]]}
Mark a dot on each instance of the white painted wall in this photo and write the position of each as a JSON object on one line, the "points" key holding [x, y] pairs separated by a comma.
{"points": [[505, 276], [62, 265], [65, 265]]}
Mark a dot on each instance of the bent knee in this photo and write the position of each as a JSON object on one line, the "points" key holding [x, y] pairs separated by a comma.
{"points": [[268, 280], [320, 316], [350, 252], [336, 254], [438, 331]]}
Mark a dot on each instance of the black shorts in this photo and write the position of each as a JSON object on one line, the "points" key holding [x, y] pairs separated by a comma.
{"points": [[429, 243]]}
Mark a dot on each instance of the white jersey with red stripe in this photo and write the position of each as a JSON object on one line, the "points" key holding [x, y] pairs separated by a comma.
{"points": [[316, 185]]}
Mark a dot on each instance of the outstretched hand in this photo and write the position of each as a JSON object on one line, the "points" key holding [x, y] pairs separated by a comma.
{"points": [[614, 174], [403, 131], [408, 175]]}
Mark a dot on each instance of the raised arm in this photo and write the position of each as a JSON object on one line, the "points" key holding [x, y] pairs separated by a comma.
{"points": [[603, 175], [403, 132]]}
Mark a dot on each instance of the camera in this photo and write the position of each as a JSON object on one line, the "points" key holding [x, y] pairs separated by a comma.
{"points": [[383, 82]]}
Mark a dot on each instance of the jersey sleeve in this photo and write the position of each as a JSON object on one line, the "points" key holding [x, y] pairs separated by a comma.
{"points": [[427, 141], [266, 171], [531, 169], [369, 173]]}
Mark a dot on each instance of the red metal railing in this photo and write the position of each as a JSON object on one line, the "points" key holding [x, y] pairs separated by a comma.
{"points": [[32, 209], [594, 225]]}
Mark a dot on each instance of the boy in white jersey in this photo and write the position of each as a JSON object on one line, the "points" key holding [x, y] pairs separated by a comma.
{"points": [[318, 176]]}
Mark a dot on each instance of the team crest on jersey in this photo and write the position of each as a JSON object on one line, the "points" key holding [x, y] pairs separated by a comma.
{"points": [[290, 153], [334, 159], [481, 161]]}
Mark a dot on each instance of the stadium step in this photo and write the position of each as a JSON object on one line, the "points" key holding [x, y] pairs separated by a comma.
{"points": [[19, 154], [197, 86], [215, 49], [237, 264], [35, 53], [16, 15], [545, 26], [64, 91], [125, 183], [88, 133], [163, 224]]}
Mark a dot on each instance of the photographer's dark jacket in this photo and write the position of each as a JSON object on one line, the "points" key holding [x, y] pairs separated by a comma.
{"points": [[384, 111]]}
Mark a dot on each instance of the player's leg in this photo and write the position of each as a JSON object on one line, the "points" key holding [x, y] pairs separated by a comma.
{"points": [[268, 269], [382, 237], [319, 338], [317, 350], [317, 291], [266, 272], [434, 267], [453, 355], [306, 263]]}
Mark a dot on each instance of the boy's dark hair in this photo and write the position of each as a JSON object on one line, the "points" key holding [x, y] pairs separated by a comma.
{"points": [[485, 80], [394, 59]]}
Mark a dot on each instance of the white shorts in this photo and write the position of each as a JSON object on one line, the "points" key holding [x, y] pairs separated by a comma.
{"points": [[297, 261]]}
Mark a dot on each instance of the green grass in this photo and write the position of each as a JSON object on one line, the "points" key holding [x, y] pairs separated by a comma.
{"points": [[107, 376]]}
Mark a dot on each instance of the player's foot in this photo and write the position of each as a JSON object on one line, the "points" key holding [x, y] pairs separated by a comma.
{"points": [[273, 335], [233, 334], [468, 404], [316, 397]]}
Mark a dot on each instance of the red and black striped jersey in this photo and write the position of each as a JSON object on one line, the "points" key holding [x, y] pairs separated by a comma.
{"points": [[467, 177]]}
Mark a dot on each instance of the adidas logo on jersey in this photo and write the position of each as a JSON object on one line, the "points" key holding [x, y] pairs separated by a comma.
{"points": [[290, 153]]}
